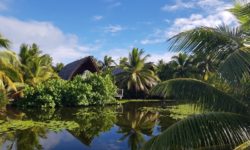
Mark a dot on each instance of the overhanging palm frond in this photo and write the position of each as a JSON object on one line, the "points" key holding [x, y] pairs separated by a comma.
{"points": [[203, 94], [225, 44], [210, 130], [243, 146], [200, 39], [242, 13], [236, 64]]}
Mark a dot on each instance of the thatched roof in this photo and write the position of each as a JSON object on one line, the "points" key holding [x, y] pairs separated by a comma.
{"points": [[78, 67]]}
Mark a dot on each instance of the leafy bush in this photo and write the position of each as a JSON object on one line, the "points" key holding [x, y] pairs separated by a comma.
{"points": [[89, 89]]}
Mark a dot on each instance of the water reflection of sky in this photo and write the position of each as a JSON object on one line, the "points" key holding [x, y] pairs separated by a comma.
{"points": [[105, 141]]}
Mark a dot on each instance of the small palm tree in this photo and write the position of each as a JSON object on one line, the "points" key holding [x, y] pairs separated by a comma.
{"points": [[182, 65], [108, 61], [137, 74]]}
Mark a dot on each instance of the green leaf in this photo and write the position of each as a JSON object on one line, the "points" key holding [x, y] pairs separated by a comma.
{"points": [[203, 94], [203, 131]]}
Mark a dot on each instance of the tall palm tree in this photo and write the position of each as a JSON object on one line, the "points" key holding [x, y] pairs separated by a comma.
{"points": [[137, 74], [182, 65], [5, 43]]}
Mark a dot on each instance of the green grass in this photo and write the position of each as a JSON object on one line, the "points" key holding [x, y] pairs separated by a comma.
{"points": [[137, 100], [178, 111], [184, 110]]}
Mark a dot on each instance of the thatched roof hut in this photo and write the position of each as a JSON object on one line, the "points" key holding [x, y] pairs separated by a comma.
{"points": [[78, 67]]}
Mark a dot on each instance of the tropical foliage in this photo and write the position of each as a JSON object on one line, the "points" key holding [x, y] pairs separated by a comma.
{"points": [[5, 43], [223, 44], [137, 75], [36, 67], [90, 89], [222, 129]]}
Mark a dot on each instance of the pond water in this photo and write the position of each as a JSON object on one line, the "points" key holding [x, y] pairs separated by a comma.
{"points": [[122, 127]]}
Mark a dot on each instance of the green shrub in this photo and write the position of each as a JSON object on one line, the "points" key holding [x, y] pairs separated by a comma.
{"points": [[76, 93], [89, 89], [103, 89]]}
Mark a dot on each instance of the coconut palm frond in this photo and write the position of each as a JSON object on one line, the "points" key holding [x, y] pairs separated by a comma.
{"points": [[200, 39], [4, 42], [203, 131], [244, 146], [235, 65], [12, 72], [203, 94], [242, 13], [10, 57], [6, 83]]}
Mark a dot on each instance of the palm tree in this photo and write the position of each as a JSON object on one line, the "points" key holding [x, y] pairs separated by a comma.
{"points": [[182, 65], [242, 12], [137, 74], [108, 61], [205, 65], [58, 67], [36, 67], [134, 125], [226, 45], [229, 125], [123, 62], [5, 43], [11, 78]]}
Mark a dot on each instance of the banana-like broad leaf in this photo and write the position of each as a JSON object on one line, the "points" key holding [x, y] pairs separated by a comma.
{"points": [[215, 130], [203, 94]]}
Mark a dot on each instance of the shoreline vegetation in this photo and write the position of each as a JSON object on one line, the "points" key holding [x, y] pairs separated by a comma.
{"points": [[211, 70]]}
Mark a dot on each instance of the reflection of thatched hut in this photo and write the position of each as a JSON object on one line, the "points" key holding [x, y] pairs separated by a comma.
{"points": [[78, 67]]}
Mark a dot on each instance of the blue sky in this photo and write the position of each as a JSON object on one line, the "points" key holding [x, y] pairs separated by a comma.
{"points": [[71, 29]]}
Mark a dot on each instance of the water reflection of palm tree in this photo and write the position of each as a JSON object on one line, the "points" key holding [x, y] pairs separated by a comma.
{"points": [[28, 139], [134, 125]]}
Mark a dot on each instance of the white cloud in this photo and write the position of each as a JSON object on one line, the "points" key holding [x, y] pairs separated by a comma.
{"points": [[61, 46], [115, 4], [117, 53], [215, 15], [152, 41], [114, 28], [178, 5], [155, 57], [204, 4], [197, 20], [97, 18]]}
